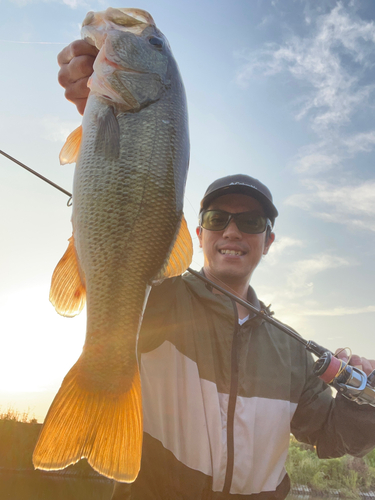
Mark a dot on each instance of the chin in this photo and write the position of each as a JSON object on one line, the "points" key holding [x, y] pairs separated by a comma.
{"points": [[228, 275]]}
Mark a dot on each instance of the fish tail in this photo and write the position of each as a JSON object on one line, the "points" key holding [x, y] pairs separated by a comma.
{"points": [[104, 428]]}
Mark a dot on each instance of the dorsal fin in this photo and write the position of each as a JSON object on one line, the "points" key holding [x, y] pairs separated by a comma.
{"points": [[180, 256]]}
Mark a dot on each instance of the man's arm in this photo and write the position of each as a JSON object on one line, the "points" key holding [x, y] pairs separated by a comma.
{"points": [[76, 66], [336, 426]]}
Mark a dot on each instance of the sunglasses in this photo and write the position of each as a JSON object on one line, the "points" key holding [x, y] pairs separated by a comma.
{"points": [[247, 222]]}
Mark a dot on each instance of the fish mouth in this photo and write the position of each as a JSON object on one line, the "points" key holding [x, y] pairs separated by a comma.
{"points": [[96, 24], [93, 36]]}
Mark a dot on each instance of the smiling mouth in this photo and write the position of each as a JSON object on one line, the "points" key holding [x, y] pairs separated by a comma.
{"points": [[231, 252]]}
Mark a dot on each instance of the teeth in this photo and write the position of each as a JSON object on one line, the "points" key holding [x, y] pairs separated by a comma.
{"points": [[231, 252]]}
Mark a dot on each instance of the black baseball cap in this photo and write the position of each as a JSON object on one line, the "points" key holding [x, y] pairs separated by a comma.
{"points": [[242, 184]]}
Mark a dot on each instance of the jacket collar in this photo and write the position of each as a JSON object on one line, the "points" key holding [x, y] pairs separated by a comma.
{"points": [[216, 300]]}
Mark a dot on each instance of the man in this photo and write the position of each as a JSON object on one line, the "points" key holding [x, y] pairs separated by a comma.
{"points": [[222, 389]]}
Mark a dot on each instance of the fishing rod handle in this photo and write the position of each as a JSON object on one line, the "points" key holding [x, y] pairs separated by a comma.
{"points": [[316, 349], [346, 379]]}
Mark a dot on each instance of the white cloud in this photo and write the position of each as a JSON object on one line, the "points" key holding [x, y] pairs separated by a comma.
{"points": [[352, 205], [325, 62], [70, 3], [315, 161], [75, 3], [328, 154], [56, 130], [361, 142], [336, 311], [280, 247], [299, 281]]}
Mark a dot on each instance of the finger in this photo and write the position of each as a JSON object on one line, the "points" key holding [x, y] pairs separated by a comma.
{"points": [[341, 354], [81, 104], [356, 361], [367, 366], [77, 90], [75, 49], [78, 68]]}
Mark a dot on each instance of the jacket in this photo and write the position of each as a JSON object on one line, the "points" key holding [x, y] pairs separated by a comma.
{"points": [[220, 401]]}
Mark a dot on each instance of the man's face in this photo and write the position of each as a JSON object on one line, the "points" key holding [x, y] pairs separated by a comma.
{"points": [[231, 255]]}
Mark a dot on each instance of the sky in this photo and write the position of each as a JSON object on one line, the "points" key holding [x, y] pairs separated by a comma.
{"points": [[280, 90]]}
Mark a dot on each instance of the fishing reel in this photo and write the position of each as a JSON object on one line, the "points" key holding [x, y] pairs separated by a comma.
{"points": [[351, 382]]}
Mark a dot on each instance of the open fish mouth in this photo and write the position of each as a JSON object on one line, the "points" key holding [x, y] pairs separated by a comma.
{"points": [[96, 24]]}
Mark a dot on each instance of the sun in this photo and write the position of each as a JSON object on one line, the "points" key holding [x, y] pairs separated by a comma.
{"points": [[38, 346]]}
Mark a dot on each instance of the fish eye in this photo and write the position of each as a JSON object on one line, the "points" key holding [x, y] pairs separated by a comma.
{"points": [[157, 42]]}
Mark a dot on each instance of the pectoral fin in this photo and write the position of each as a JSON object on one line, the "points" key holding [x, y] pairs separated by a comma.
{"points": [[68, 292], [180, 257], [108, 135], [70, 150]]}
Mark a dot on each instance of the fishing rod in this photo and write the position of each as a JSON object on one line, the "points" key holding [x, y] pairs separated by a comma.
{"points": [[38, 175], [346, 379], [351, 382]]}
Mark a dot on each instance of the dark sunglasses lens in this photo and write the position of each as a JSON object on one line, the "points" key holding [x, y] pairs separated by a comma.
{"points": [[214, 220], [251, 223]]}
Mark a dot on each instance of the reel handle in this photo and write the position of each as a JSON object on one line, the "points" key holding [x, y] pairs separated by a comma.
{"points": [[348, 380]]}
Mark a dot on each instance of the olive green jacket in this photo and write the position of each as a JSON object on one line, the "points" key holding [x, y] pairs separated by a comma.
{"points": [[220, 401]]}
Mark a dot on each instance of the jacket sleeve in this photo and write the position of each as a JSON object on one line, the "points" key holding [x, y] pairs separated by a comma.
{"points": [[154, 328], [335, 425]]}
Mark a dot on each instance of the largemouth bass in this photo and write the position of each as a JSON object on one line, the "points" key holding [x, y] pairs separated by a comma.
{"points": [[131, 154]]}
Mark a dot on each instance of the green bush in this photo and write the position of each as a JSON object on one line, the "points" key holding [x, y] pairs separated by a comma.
{"points": [[370, 459], [18, 436], [347, 474]]}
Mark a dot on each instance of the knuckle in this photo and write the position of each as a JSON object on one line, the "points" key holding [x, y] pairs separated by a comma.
{"points": [[82, 88], [77, 90], [62, 77], [64, 55], [356, 360], [75, 48], [81, 67], [68, 95]]}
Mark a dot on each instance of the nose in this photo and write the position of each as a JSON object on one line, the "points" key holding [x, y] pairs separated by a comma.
{"points": [[232, 231]]}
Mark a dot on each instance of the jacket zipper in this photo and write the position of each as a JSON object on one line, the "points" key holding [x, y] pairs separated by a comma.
{"points": [[232, 406]]}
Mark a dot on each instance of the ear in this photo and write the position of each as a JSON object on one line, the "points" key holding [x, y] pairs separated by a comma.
{"points": [[268, 243], [199, 234]]}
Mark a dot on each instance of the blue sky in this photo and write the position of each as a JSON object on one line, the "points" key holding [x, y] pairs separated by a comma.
{"points": [[280, 90]]}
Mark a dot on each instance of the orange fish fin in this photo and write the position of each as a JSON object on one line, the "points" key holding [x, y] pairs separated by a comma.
{"points": [[68, 293], [70, 150], [105, 428], [180, 257]]}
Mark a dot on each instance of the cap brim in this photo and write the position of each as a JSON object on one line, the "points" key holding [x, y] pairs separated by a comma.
{"points": [[268, 206]]}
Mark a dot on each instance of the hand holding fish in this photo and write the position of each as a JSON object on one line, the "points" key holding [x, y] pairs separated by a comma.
{"points": [[76, 62]]}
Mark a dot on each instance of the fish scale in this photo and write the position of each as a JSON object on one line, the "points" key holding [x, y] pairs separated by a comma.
{"points": [[132, 155]]}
